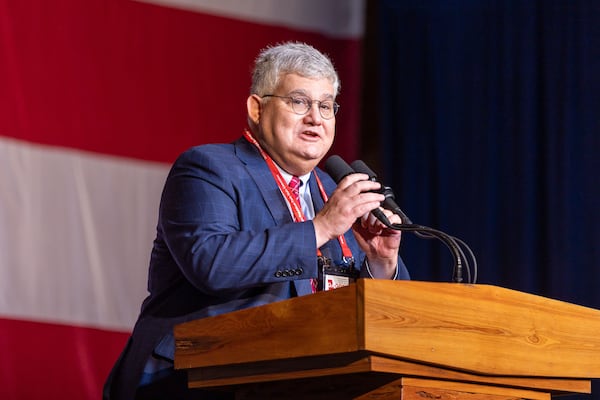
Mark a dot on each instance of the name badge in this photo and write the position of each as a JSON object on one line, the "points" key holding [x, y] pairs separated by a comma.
{"points": [[335, 275]]}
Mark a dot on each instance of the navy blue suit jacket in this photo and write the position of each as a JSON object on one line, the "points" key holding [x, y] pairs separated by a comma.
{"points": [[224, 232]]}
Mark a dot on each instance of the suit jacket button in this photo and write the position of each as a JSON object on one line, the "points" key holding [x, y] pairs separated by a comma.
{"points": [[299, 271], [278, 274]]}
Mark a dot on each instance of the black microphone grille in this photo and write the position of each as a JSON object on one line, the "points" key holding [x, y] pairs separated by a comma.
{"points": [[337, 168], [360, 166]]}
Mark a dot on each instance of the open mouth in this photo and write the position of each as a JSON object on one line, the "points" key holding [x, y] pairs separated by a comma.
{"points": [[311, 134]]}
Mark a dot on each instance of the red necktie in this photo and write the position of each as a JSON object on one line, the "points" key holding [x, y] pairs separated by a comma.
{"points": [[294, 185]]}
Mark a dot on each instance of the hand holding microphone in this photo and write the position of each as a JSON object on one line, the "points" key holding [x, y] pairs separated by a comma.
{"points": [[339, 169], [389, 203], [354, 197], [359, 198]]}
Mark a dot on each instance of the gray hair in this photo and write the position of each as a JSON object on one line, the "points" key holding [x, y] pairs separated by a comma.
{"points": [[273, 62]]}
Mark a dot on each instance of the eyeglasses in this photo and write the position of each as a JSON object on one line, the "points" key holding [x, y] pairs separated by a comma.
{"points": [[302, 105]]}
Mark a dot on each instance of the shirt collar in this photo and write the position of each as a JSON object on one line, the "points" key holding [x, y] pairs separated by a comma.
{"points": [[288, 177]]}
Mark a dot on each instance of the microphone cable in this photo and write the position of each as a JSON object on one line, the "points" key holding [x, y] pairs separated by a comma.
{"points": [[456, 246]]}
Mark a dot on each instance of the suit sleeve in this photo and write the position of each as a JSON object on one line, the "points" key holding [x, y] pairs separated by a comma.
{"points": [[223, 233]]}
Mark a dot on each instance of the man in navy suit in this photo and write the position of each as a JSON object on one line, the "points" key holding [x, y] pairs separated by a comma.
{"points": [[232, 234]]}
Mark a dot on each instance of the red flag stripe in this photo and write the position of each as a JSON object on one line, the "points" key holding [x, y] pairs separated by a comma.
{"points": [[142, 81], [52, 361]]}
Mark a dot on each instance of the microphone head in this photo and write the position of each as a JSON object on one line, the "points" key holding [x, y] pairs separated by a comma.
{"points": [[337, 168], [360, 166]]}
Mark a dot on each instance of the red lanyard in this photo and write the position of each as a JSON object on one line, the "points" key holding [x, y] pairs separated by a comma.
{"points": [[297, 213]]}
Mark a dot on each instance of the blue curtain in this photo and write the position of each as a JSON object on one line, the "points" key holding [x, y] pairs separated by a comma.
{"points": [[484, 117]]}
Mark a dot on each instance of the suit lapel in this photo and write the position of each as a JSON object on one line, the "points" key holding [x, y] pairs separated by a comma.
{"points": [[259, 171]]}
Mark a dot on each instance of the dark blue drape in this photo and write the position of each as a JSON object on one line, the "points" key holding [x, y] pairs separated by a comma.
{"points": [[488, 120]]}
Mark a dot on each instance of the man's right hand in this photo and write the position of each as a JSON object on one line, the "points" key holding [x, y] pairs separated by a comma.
{"points": [[354, 197]]}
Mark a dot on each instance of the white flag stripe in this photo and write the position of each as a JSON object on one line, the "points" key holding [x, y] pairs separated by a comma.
{"points": [[308, 15], [77, 229]]}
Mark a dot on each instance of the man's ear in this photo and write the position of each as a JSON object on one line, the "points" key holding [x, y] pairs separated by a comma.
{"points": [[254, 105]]}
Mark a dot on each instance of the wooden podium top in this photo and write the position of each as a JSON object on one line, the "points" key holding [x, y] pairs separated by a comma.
{"points": [[480, 330]]}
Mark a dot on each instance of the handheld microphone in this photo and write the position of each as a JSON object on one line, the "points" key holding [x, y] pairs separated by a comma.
{"points": [[389, 203], [339, 169]]}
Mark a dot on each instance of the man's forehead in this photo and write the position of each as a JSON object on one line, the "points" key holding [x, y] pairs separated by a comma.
{"points": [[312, 87]]}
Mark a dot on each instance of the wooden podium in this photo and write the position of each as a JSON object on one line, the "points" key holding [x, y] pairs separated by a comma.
{"points": [[379, 339]]}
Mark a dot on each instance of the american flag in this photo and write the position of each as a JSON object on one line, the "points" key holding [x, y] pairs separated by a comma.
{"points": [[97, 98]]}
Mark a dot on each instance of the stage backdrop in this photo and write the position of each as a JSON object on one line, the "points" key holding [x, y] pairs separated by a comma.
{"points": [[488, 116], [97, 98]]}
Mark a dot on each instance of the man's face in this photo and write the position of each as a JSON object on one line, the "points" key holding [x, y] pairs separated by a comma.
{"points": [[297, 143]]}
